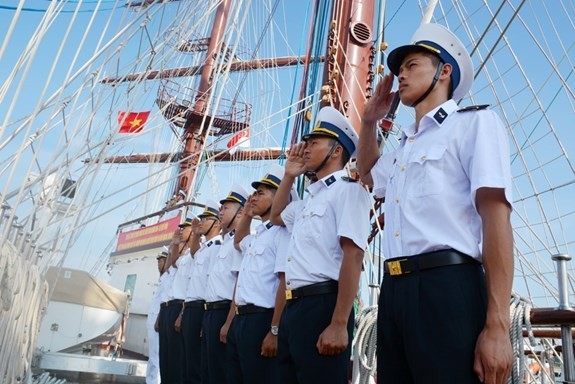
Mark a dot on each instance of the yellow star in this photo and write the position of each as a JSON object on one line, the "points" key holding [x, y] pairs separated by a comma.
{"points": [[135, 122]]}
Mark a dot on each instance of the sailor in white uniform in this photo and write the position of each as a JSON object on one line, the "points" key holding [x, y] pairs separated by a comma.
{"points": [[220, 288], [444, 305], [207, 226], [260, 289], [171, 342], [153, 367], [329, 230]]}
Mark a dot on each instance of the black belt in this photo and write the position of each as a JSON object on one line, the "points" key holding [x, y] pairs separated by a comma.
{"points": [[250, 308], [402, 265], [171, 302], [195, 304], [221, 304], [322, 288]]}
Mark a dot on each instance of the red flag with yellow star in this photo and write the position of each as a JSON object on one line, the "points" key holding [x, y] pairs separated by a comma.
{"points": [[132, 122]]}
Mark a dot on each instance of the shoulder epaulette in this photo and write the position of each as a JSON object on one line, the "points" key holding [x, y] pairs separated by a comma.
{"points": [[474, 108], [348, 179]]}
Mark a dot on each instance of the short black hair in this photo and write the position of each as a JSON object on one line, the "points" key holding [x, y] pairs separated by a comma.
{"points": [[345, 156]]}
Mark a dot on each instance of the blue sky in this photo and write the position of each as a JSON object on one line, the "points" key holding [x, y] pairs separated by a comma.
{"points": [[545, 70]]}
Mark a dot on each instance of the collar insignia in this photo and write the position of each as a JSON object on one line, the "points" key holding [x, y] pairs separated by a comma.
{"points": [[330, 180], [440, 115]]}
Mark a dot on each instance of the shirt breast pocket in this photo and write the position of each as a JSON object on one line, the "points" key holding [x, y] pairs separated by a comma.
{"points": [[426, 168], [256, 262], [313, 222]]}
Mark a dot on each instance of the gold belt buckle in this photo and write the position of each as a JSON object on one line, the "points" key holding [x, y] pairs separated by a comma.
{"points": [[205, 306], [237, 310], [288, 294], [395, 267]]}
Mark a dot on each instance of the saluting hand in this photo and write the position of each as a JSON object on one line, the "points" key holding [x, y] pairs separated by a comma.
{"points": [[249, 207], [333, 340], [378, 104], [270, 345], [196, 226], [295, 164]]}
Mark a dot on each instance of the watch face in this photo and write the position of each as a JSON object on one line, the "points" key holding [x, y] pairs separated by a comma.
{"points": [[274, 330]]}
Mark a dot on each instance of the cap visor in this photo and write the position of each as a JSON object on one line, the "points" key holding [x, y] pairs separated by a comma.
{"points": [[396, 57]]}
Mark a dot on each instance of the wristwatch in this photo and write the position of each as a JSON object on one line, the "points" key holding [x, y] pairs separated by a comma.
{"points": [[274, 330]]}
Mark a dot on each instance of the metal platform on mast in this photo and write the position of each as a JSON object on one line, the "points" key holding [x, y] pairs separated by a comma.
{"points": [[177, 105]]}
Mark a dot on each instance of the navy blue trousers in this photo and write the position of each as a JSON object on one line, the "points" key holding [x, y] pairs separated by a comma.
{"points": [[428, 324], [303, 320], [195, 365], [215, 350], [245, 337], [171, 346]]}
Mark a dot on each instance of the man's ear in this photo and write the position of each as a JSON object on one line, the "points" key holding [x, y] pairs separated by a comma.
{"points": [[446, 71], [338, 151]]}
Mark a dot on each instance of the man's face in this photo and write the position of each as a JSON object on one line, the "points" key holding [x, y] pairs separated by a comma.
{"points": [[161, 263], [317, 147], [186, 232], [415, 75], [261, 200], [206, 224], [227, 212]]}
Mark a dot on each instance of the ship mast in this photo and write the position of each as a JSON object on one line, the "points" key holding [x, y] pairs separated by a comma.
{"points": [[348, 73], [347, 83], [194, 135]]}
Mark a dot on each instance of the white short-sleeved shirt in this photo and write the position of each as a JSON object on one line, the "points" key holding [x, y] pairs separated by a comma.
{"points": [[263, 257], [221, 278], [154, 307], [166, 283], [431, 180], [198, 276], [334, 208], [181, 277]]}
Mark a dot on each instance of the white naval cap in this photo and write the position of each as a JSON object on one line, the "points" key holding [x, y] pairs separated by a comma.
{"points": [[212, 209], [237, 194], [271, 179], [331, 123], [437, 39], [188, 221]]}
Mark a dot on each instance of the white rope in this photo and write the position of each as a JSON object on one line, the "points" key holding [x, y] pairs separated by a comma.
{"points": [[365, 347], [519, 311], [45, 378], [24, 295]]}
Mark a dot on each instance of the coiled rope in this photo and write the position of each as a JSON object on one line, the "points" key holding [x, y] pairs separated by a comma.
{"points": [[365, 341], [519, 312], [24, 294], [45, 378], [365, 346]]}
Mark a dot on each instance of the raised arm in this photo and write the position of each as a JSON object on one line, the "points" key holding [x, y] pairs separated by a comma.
{"points": [[375, 109], [195, 237], [244, 225], [294, 167], [174, 249]]}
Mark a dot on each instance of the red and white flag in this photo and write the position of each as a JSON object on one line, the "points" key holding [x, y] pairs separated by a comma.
{"points": [[240, 139], [132, 122]]}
